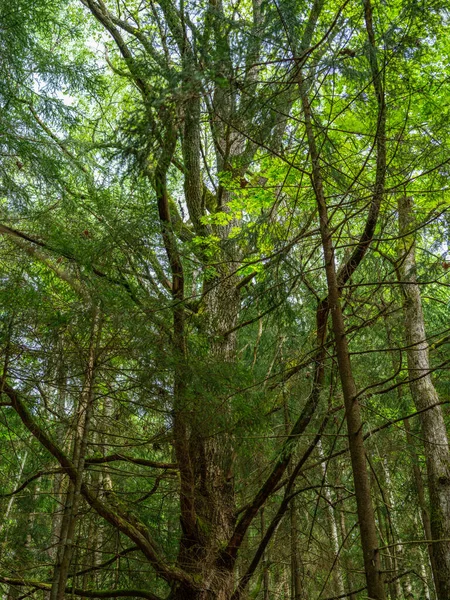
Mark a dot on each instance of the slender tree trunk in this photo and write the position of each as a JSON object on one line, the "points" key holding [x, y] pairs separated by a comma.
{"points": [[13, 592], [297, 592], [59, 479], [417, 475], [339, 588], [420, 489], [424, 576], [398, 550], [365, 510], [296, 583], [386, 533], [385, 539], [348, 565], [366, 514], [12, 498], [265, 565], [73, 498], [425, 397]]}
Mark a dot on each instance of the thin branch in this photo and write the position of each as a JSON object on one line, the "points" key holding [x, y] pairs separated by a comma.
{"points": [[96, 460]]}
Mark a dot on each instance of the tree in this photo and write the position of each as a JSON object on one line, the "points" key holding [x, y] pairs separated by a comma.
{"points": [[199, 248]]}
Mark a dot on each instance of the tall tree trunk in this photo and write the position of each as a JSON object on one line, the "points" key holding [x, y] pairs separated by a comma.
{"points": [[210, 453], [417, 475], [366, 514], [425, 398]]}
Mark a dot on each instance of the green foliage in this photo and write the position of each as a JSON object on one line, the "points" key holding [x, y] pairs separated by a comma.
{"points": [[92, 219]]}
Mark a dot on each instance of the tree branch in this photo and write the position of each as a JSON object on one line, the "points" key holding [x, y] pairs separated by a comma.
{"points": [[40, 585], [96, 460], [135, 530]]}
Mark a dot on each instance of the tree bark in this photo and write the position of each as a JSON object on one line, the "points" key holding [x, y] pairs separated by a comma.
{"points": [[423, 574], [417, 475], [424, 395]]}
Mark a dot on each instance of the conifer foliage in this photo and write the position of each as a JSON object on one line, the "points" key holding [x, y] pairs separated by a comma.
{"points": [[224, 299]]}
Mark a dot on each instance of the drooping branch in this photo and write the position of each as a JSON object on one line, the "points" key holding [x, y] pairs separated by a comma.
{"points": [[34, 253], [30, 479]]}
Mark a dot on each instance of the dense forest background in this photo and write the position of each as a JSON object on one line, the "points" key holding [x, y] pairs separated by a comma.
{"points": [[224, 299]]}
